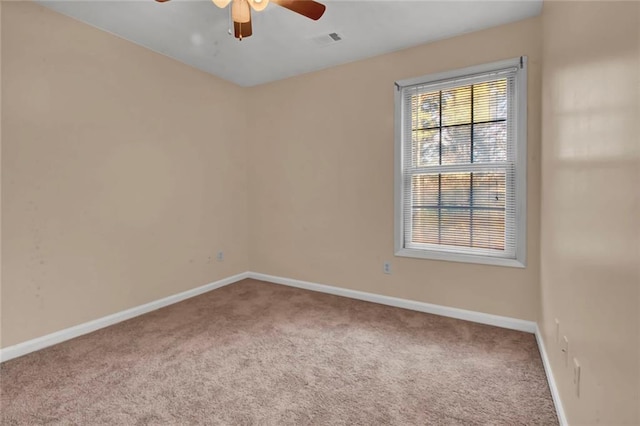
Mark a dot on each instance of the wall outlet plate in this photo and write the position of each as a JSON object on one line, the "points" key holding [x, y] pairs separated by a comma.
{"points": [[576, 376]]}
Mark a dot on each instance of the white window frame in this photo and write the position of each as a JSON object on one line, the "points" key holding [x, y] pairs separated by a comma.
{"points": [[520, 123]]}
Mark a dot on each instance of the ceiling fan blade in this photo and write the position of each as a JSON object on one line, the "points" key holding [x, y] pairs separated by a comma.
{"points": [[309, 8], [242, 30]]}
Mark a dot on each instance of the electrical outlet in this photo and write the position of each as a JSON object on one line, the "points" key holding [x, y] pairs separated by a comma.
{"points": [[220, 256], [386, 267], [557, 322], [576, 376], [565, 350]]}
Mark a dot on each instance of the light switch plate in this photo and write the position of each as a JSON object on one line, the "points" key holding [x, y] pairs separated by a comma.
{"points": [[576, 376]]}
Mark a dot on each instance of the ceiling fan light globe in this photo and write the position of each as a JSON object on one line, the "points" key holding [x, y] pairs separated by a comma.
{"points": [[221, 3], [259, 5], [240, 11]]}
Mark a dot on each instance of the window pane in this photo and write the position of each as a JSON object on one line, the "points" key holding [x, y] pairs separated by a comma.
{"points": [[456, 106], [489, 189], [424, 226], [490, 142], [425, 110], [426, 148], [455, 189], [455, 228], [490, 101], [488, 229], [456, 145], [424, 190]]}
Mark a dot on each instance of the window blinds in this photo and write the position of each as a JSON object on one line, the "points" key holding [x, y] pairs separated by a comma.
{"points": [[458, 164]]}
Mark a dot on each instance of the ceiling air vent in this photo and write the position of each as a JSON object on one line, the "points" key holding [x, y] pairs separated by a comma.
{"points": [[327, 39]]}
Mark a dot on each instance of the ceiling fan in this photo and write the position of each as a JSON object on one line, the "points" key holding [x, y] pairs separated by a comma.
{"points": [[241, 11]]}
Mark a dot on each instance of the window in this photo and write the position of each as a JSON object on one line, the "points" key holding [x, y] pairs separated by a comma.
{"points": [[461, 165]]}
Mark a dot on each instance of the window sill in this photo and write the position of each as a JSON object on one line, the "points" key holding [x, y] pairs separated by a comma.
{"points": [[459, 257]]}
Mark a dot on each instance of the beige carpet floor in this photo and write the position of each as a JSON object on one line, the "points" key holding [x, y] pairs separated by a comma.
{"points": [[258, 353]]}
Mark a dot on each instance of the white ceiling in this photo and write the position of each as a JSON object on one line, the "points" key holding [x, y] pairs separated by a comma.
{"points": [[285, 44]]}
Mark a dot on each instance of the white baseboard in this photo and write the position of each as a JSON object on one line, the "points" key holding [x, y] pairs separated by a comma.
{"points": [[479, 317], [555, 393], [38, 343]]}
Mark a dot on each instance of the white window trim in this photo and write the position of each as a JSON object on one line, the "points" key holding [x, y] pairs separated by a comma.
{"points": [[521, 167]]}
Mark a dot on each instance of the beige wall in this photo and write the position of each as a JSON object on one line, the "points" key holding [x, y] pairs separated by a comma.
{"points": [[123, 173], [321, 173], [591, 205]]}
